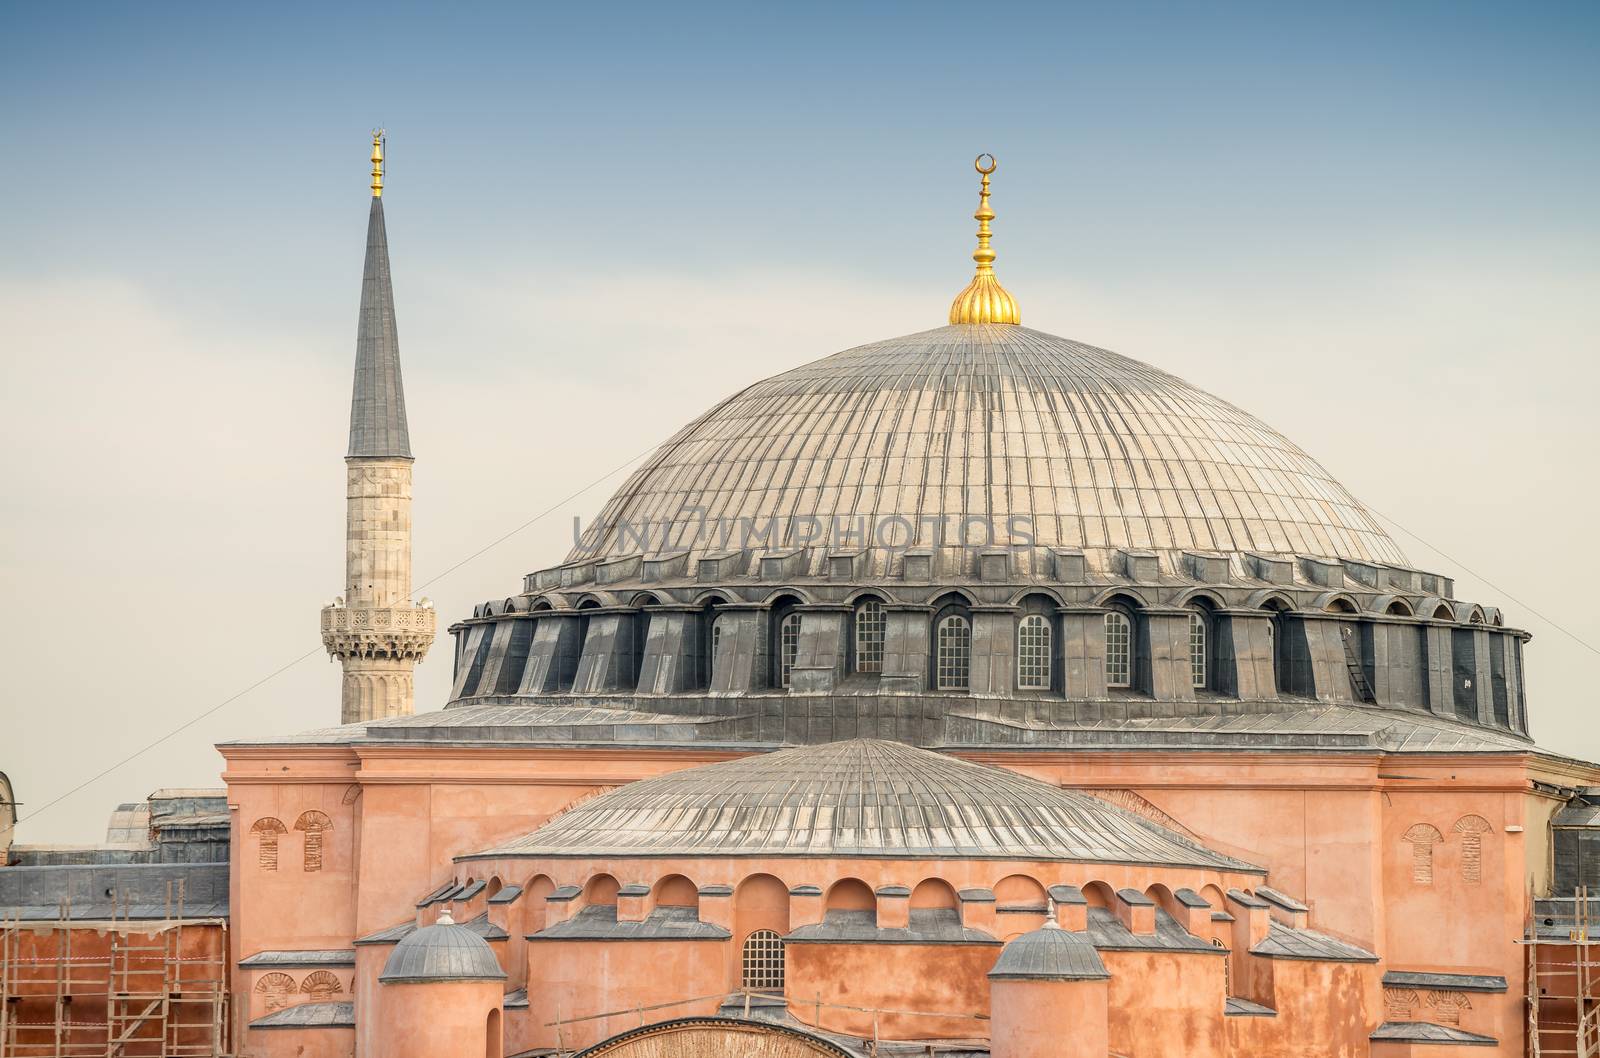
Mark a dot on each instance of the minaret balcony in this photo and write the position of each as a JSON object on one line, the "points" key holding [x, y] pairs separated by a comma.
{"points": [[378, 631]]}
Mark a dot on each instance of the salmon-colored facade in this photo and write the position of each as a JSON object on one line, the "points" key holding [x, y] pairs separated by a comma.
{"points": [[1328, 829]]}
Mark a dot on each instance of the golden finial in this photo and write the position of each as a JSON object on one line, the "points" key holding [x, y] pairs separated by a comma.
{"points": [[984, 300], [377, 163]]}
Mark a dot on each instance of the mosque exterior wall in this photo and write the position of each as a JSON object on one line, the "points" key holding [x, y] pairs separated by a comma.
{"points": [[1352, 835]]}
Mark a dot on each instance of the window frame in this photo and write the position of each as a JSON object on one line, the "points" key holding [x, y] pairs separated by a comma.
{"points": [[1035, 673], [1199, 659], [963, 671], [788, 647], [861, 631], [1126, 650], [764, 947]]}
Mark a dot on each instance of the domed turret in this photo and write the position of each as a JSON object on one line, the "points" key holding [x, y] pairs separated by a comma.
{"points": [[440, 995], [443, 951], [1049, 954], [1049, 997]]}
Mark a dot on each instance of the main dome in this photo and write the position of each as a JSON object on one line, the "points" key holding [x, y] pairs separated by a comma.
{"points": [[981, 430]]}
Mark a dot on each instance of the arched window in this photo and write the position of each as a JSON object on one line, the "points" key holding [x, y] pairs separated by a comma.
{"points": [[953, 654], [716, 641], [788, 647], [763, 961], [1119, 650], [1199, 650], [871, 624], [1033, 653]]}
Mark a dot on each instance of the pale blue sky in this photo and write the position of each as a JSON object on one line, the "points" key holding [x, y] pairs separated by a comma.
{"points": [[1373, 225]]}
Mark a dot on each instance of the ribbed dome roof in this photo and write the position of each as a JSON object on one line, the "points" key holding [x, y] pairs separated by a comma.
{"points": [[443, 951], [861, 797], [1049, 954], [1095, 450]]}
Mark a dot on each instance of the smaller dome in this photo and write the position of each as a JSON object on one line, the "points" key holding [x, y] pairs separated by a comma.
{"points": [[1049, 954], [443, 951]]}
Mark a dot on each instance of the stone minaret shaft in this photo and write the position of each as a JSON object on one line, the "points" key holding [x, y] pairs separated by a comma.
{"points": [[375, 631]]}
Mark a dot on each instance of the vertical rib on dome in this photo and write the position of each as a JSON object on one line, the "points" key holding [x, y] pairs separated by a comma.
{"points": [[378, 402]]}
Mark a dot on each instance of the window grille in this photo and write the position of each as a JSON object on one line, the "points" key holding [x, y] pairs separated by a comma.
{"points": [[871, 624], [763, 961], [1033, 653], [788, 647], [716, 641], [953, 655], [1119, 650], [1197, 650]]}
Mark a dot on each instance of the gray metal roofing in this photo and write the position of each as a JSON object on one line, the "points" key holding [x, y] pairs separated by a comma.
{"points": [[1283, 900], [1108, 933], [861, 797], [391, 935], [1577, 814], [599, 922], [1243, 1008], [310, 1016], [1285, 725], [378, 400], [1096, 450], [98, 891], [1049, 953], [442, 952], [1190, 898], [1282, 942], [1427, 1032], [930, 925], [1446, 982], [319, 957]]}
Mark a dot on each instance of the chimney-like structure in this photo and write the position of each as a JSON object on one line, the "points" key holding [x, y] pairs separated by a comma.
{"points": [[374, 629]]}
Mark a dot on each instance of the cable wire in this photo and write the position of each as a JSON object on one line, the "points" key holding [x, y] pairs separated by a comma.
{"points": [[280, 670]]}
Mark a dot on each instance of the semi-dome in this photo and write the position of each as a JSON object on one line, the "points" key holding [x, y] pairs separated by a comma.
{"points": [[1018, 430], [1049, 953], [443, 951], [861, 797]]}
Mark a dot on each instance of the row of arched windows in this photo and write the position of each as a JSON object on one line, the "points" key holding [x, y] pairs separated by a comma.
{"points": [[1038, 665], [951, 663]]}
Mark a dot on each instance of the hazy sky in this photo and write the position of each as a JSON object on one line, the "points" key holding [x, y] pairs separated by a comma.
{"points": [[1372, 225]]}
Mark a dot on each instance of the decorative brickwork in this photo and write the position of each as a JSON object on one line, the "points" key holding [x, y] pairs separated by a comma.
{"points": [[321, 986], [1472, 829], [275, 990], [314, 824], [1400, 1004], [1447, 1006], [1422, 837], [266, 831]]}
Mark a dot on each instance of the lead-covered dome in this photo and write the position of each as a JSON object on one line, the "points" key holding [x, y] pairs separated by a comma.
{"points": [[443, 951], [1081, 447], [860, 797]]}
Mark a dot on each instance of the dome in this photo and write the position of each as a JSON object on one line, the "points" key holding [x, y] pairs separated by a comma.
{"points": [[1023, 431], [443, 951], [861, 797], [1049, 954]]}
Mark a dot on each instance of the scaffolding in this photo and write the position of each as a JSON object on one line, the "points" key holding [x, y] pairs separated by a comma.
{"points": [[1563, 970], [132, 988]]}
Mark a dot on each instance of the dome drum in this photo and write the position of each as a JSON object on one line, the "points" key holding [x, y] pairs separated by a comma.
{"points": [[1198, 637]]}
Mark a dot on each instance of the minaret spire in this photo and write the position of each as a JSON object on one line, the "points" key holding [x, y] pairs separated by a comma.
{"points": [[378, 402], [374, 629], [984, 300]]}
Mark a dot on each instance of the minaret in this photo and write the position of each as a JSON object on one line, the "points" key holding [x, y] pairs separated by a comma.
{"points": [[375, 630]]}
